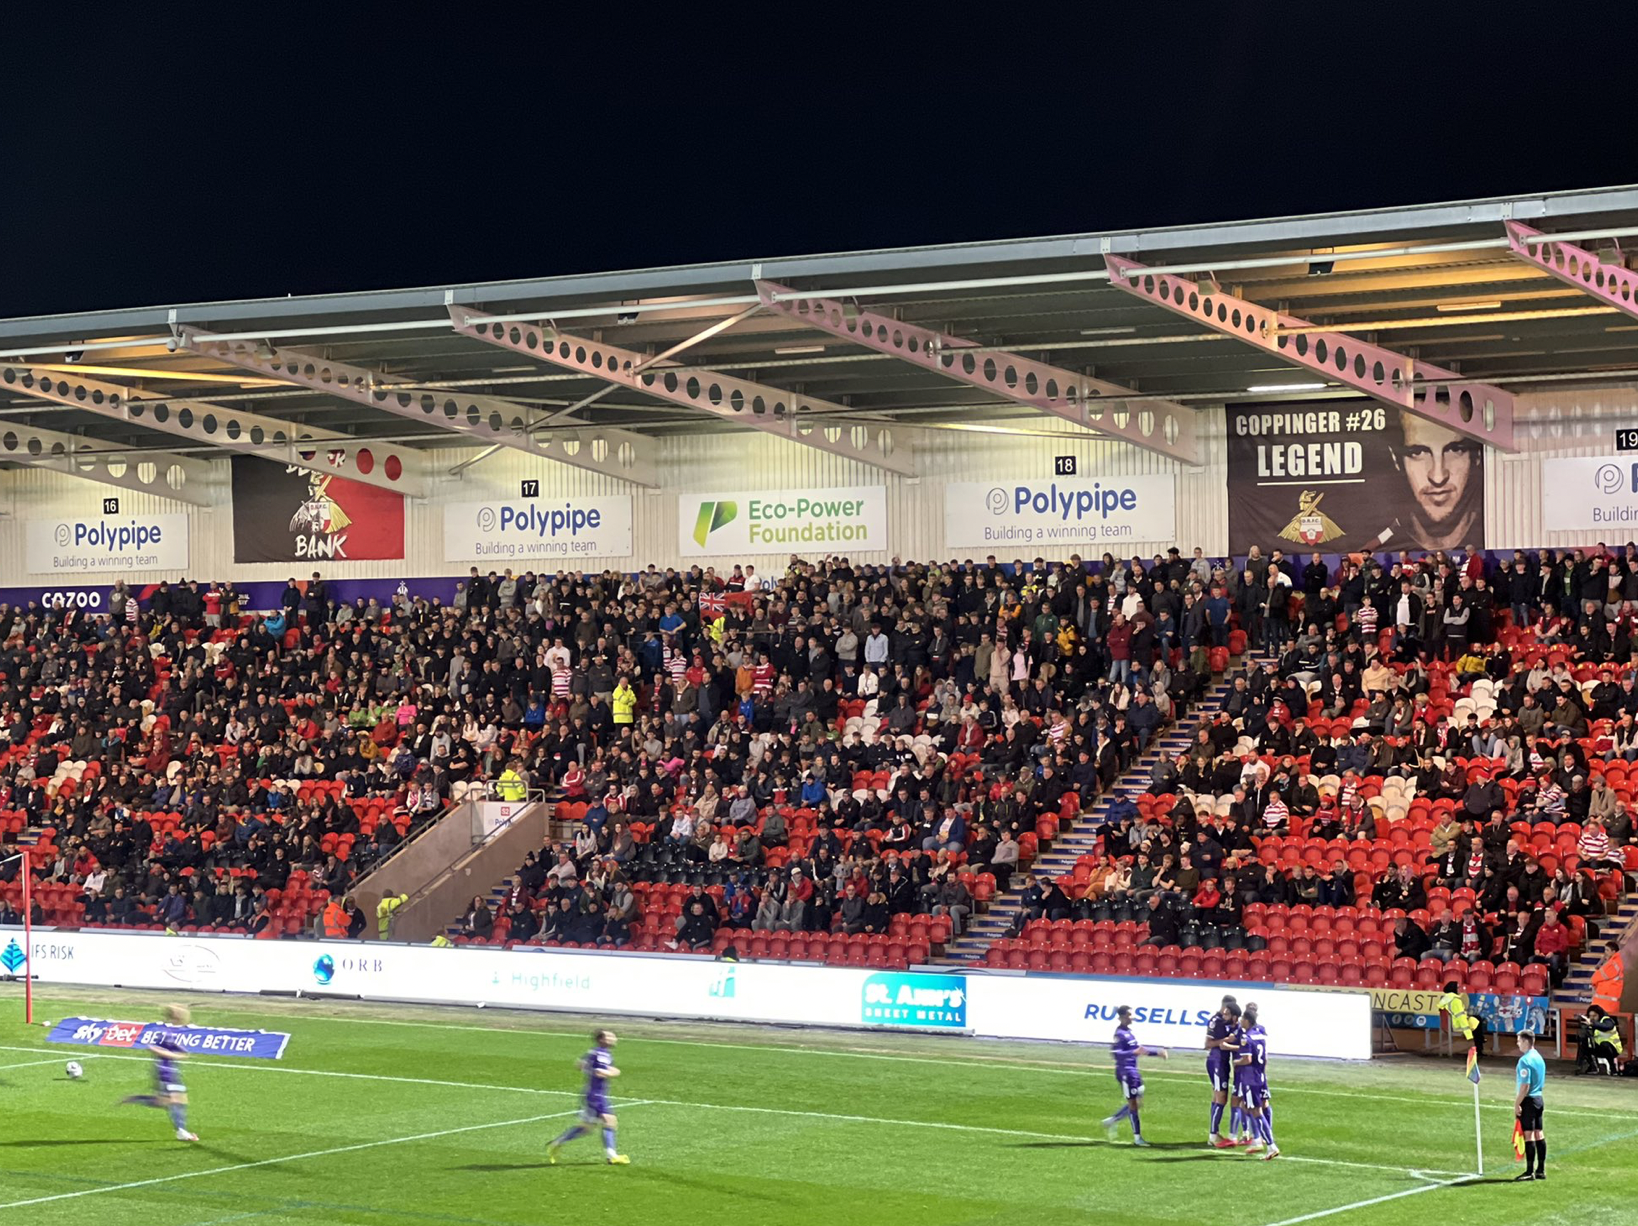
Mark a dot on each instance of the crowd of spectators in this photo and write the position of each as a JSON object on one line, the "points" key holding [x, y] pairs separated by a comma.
{"points": [[841, 746], [1443, 741]]}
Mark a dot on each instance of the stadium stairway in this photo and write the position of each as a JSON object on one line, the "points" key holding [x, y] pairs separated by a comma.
{"points": [[1080, 837], [1575, 993]]}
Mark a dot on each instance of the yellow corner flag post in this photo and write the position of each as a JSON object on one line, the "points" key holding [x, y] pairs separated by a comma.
{"points": [[1478, 1132]]}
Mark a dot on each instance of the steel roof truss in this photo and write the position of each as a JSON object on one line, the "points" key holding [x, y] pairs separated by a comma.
{"points": [[490, 419], [1477, 410], [785, 414]]}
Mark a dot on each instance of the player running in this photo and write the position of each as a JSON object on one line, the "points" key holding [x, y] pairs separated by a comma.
{"points": [[1251, 1083], [169, 1092], [1127, 1052], [598, 1065], [1222, 1045]]}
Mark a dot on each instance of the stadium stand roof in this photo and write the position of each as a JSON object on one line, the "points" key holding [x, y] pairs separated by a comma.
{"points": [[1433, 282]]}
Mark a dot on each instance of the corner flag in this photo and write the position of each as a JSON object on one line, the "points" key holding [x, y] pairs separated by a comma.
{"points": [[1473, 1065]]}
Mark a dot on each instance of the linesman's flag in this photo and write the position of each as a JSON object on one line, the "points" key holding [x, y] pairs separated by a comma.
{"points": [[1518, 1140], [1473, 1065]]}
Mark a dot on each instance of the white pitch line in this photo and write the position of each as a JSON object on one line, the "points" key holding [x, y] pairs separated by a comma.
{"points": [[317, 1153], [1415, 1172], [36, 1063], [1375, 1200], [318, 1072]]}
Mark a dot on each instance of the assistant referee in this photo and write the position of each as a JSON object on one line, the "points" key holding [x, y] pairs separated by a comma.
{"points": [[1532, 1079]]}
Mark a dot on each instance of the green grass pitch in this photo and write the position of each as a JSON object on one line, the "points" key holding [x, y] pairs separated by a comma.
{"points": [[438, 1117]]}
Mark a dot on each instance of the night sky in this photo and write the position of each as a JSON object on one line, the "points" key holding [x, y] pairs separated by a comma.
{"points": [[152, 163]]}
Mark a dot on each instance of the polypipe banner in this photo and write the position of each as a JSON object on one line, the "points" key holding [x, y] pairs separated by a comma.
{"points": [[1590, 494], [1341, 477], [538, 533], [283, 514], [195, 1040], [106, 542], [1057, 516]]}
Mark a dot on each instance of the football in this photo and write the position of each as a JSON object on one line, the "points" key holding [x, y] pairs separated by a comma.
{"points": [[74, 1070]]}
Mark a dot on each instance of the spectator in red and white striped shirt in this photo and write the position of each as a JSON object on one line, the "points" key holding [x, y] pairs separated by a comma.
{"points": [[1275, 815], [1594, 845]]}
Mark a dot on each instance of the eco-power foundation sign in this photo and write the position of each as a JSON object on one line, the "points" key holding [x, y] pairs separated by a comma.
{"points": [[819, 521], [997, 516]]}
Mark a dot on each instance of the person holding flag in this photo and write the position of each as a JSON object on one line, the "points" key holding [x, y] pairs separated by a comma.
{"points": [[1527, 1108]]}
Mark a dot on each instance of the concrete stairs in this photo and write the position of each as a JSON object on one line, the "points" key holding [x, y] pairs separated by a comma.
{"points": [[1079, 838], [1575, 993]]}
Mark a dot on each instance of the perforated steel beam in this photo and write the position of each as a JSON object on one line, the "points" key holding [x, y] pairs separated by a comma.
{"points": [[1158, 425], [772, 410], [1576, 266], [1477, 410], [285, 442], [489, 419], [150, 472]]}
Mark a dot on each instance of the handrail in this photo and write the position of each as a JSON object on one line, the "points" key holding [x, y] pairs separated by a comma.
{"points": [[531, 799]]}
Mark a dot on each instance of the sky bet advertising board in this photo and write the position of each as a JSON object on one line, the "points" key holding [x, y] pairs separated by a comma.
{"points": [[1059, 516], [106, 542], [538, 533]]}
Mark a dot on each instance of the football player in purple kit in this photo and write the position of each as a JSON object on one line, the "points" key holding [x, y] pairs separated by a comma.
{"points": [[1127, 1051], [169, 1095], [598, 1065], [1252, 1084], [1221, 1048]]}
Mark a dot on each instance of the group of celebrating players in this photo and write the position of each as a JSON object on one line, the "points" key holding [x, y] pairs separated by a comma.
{"points": [[1237, 1066]]}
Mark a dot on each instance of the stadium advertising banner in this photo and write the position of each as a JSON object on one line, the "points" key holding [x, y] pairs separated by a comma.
{"points": [[1590, 494], [812, 522], [1059, 516], [526, 978], [106, 542], [1063, 1008], [532, 533], [1345, 476], [1168, 1012], [195, 1040], [284, 514]]}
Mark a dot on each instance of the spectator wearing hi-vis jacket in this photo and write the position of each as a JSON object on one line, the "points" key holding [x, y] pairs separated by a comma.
{"points": [[624, 702]]}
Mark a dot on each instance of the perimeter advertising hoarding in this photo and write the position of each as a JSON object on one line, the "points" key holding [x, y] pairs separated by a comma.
{"points": [[1065, 1008], [1344, 476]]}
